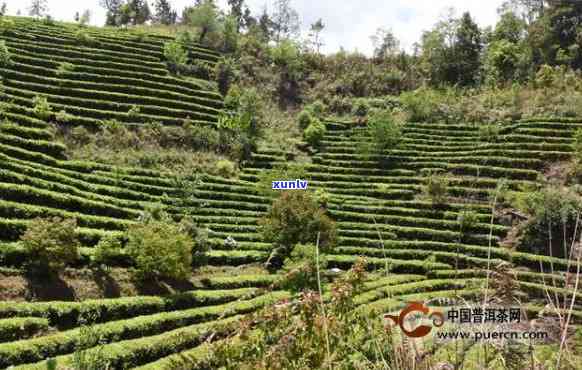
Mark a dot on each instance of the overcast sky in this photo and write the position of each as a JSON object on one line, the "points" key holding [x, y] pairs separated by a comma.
{"points": [[348, 23]]}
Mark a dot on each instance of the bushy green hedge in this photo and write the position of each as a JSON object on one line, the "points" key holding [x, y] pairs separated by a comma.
{"points": [[38, 349], [21, 328]]}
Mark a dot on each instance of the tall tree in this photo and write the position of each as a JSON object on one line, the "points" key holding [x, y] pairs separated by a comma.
{"points": [[139, 10], [385, 44], [38, 8], [236, 12], [113, 8], [266, 25], [3, 9], [203, 15], [468, 50], [528, 10], [285, 19], [315, 34], [164, 13], [85, 17]]}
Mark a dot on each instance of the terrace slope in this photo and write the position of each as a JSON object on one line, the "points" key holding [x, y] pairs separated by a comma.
{"points": [[374, 199]]}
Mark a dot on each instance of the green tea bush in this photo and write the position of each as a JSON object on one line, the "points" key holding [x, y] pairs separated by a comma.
{"points": [[295, 217], [5, 60], [175, 54], [51, 243], [384, 130], [436, 188], [489, 132], [65, 68], [232, 98], [42, 109], [160, 249], [304, 119], [225, 168], [107, 251], [315, 132], [83, 38], [467, 220]]}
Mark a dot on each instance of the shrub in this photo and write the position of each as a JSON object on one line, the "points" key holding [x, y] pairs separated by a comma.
{"points": [[225, 73], [323, 197], [384, 130], [232, 98], [160, 249], [301, 269], [317, 108], [436, 188], [5, 60], [65, 68], [134, 111], [295, 217], [107, 250], [51, 243], [42, 109], [83, 37], [467, 220], [314, 133], [225, 168], [304, 119], [361, 108], [175, 54], [552, 220]]}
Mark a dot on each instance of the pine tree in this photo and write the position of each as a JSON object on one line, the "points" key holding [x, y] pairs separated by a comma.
{"points": [[467, 51], [3, 9]]}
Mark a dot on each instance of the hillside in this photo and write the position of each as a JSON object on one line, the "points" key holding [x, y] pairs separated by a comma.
{"points": [[414, 248]]}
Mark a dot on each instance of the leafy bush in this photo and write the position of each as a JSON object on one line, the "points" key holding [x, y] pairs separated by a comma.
{"points": [[317, 108], [323, 197], [304, 119], [160, 249], [225, 72], [83, 37], [384, 131], [295, 217], [65, 68], [436, 188], [467, 220], [5, 59], [42, 109], [301, 269], [552, 219], [107, 250], [225, 168], [52, 243], [175, 54], [361, 108], [134, 111], [232, 98], [315, 132]]}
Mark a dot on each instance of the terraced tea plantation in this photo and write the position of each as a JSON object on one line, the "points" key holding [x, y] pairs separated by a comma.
{"points": [[375, 200]]}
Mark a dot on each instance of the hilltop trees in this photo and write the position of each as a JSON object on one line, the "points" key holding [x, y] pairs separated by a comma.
{"points": [[164, 13], [385, 44], [38, 8], [120, 13], [203, 16], [451, 51], [285, 21]]}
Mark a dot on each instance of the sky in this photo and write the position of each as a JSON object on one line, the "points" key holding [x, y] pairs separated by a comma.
{"points": [[348, 23]]}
